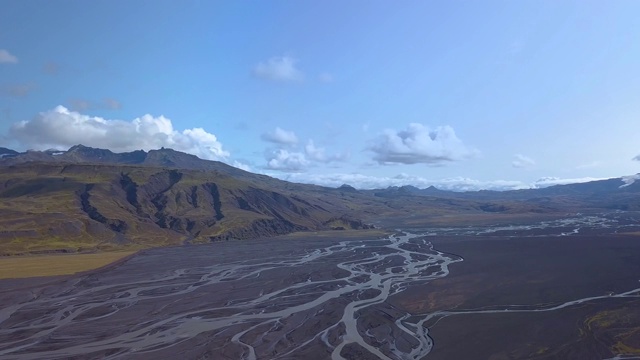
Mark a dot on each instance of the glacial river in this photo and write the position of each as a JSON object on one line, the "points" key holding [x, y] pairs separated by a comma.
{"points": [[255, 300], [81, 319]]}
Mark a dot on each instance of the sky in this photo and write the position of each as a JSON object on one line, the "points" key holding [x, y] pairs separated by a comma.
{"points": [[462, 95]]}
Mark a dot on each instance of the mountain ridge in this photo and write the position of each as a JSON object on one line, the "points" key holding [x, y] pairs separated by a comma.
{"points": [[86, 205], [86, 199], [167, 157]]}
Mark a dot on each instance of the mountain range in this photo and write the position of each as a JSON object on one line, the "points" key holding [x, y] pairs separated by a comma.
{"points": [[86, 198]]}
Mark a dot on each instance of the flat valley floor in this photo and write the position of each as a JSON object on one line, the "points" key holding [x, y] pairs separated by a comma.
{"points": [[567, 288]]}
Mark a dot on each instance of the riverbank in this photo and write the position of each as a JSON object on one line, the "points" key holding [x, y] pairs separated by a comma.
{"points": [[20, 267], [52, 264]]}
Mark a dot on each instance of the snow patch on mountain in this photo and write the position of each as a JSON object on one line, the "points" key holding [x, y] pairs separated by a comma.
{"points": [[628, 180]]}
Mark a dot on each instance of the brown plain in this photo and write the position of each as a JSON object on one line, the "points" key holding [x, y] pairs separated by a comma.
{"points": [[54, 265]]}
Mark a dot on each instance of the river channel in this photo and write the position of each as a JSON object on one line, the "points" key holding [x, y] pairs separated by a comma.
{"points": [[278, 299]]}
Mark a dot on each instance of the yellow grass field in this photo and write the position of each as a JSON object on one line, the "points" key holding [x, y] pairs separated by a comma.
{"points": [[52, 265]]}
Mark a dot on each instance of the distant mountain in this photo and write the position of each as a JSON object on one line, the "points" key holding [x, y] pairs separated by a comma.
{"points": [[81, 153], [86, 154], [67, 206], [158, 158], [347, 188], [4, 152], [88, 198], [578, 189], [170, 158], [603, 194], [409, 190]]}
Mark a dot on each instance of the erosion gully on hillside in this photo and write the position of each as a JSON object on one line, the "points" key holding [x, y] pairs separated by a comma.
{"points": [[310, 298]]}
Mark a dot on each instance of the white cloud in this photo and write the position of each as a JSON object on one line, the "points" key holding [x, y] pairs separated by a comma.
{"points": [[628, 180], [241, 166], [284, 160], [280, 136], [522, 161], [7, 58], [318, 154], [62, 128], [299, 161], [360, 181], [419, 144], [550, 181], [278, 68], [637, 158], [314, 152]]}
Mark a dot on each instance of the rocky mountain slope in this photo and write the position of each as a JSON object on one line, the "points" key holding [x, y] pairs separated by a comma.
{"points": [[86, 198], [47, 206]]}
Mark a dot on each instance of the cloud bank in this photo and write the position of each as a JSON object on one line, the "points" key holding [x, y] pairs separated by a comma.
{"points": [[288, 160], [283, 160], [360, 181], [418, 144], [62, 128], [628, 180], [241, 165], [278, 68], [550, 181], [280, 136], [319, 154], [7, 58]]}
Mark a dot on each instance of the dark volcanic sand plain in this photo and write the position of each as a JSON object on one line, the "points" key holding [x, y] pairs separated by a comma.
{"points": [[559, 289], [498, 273]]}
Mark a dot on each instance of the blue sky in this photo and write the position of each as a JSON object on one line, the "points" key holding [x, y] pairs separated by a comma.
{"points": [[456, 94]]}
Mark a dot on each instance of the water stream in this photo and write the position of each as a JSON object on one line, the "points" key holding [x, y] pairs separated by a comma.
{"points": [[274, 306]]}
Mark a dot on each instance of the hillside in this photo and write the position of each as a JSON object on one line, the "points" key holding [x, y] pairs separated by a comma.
{"points": [[47, 206], [86, 199]]}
